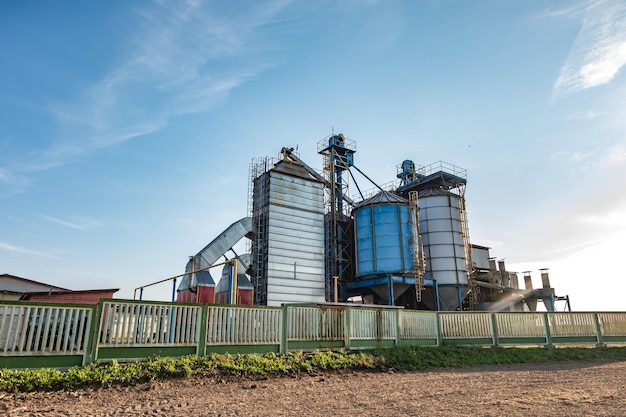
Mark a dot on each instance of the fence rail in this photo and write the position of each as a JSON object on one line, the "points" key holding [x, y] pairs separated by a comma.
{"points": [[243, 326], [62, 335], [131, 324]]}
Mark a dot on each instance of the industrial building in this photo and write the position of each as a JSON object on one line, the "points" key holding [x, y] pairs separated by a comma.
{"points": [[311, 241], [14, 288]]}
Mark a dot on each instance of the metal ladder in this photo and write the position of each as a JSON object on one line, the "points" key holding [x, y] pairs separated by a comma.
{"points": [[469, 264], [419, 258]]}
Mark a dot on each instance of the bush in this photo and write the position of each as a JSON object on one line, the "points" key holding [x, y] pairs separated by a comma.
{"points": [[401, 358]]}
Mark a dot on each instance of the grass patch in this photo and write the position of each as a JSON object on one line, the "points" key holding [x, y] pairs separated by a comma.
{"points": [[401, 358], [408, 358]]}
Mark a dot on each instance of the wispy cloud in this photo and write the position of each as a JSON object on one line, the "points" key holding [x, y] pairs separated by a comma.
{"points": [[573, 156], [616, 155], [576, 248], [572, 11], [12, 183], [17, 249], [584, 115], [76, 224], [183, 57], [599, 51], [4, 175], [599, 158]]}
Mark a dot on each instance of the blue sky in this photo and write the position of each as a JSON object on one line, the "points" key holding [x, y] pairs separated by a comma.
{"points": [[127, 129]]}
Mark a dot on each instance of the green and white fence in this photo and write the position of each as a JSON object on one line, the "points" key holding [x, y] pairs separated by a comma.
{"points": [[54, 335], [63, 335]]}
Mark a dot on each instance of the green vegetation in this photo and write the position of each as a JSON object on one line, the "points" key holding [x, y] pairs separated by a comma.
{"points": [[403, 358]]}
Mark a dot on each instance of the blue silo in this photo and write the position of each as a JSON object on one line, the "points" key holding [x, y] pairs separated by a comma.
{"points": [[386, 245]]}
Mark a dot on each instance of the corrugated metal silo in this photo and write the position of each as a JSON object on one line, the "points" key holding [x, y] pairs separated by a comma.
{"points": [[288, 222], [386, 237], [441, 226]]}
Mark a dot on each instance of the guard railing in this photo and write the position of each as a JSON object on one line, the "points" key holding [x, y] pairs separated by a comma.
{"points": [[63, 335]]}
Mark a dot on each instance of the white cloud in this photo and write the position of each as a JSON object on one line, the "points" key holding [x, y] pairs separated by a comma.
{"points": [[616, 155], [182, 58], [603, 65], [572, 156], [599, 51], [573, 11], [599, 158], [17, 249], [12, 183], [584, 115], [77, 224], [4, 175]]}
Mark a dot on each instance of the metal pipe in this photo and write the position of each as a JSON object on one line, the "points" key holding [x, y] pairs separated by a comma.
{"points": [[436, 289], [356, 184], [545, 278], [392, 295], [178, 276], [528, 282], [235, 290], [368, 178]]}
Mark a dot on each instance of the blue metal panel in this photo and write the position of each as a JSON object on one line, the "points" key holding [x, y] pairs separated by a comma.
{"points": [[383, 236]]}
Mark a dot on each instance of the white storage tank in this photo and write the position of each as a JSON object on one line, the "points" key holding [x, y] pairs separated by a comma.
{"points": [[441, 226]]}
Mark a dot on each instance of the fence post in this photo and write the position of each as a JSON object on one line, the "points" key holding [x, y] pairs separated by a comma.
{"points": [[347, 327], [494, 330], [204, 324], [96, 329], [284, 347], [439, 335], [546, 322], [398, 326], [600, 343], [89, 342]]}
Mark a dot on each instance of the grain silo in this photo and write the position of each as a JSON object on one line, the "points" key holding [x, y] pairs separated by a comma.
{"points": [[443, 227], [288, 224], [388, 254]]}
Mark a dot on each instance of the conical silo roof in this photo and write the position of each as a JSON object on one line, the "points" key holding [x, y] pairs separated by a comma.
{"points": [[383, 197]]}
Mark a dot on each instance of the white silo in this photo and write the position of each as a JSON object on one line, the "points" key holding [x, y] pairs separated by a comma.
{"points": [[443, 228]]}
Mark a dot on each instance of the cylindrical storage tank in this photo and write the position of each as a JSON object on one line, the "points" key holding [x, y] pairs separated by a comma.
{"points": [[441, 227], [384, 235]]}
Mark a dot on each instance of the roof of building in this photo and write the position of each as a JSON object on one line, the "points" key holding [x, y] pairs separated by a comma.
{"points": [[5, 288], [32, 287], [293, 168]]}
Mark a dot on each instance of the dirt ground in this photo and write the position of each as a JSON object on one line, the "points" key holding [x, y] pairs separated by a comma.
{"points": [[556, 389]]}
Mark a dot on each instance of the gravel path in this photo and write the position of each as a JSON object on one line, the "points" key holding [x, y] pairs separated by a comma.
{"points": [[555, 389]]}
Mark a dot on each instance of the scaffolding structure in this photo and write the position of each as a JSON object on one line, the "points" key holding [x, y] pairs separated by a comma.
{"points": [[338, 153]]}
